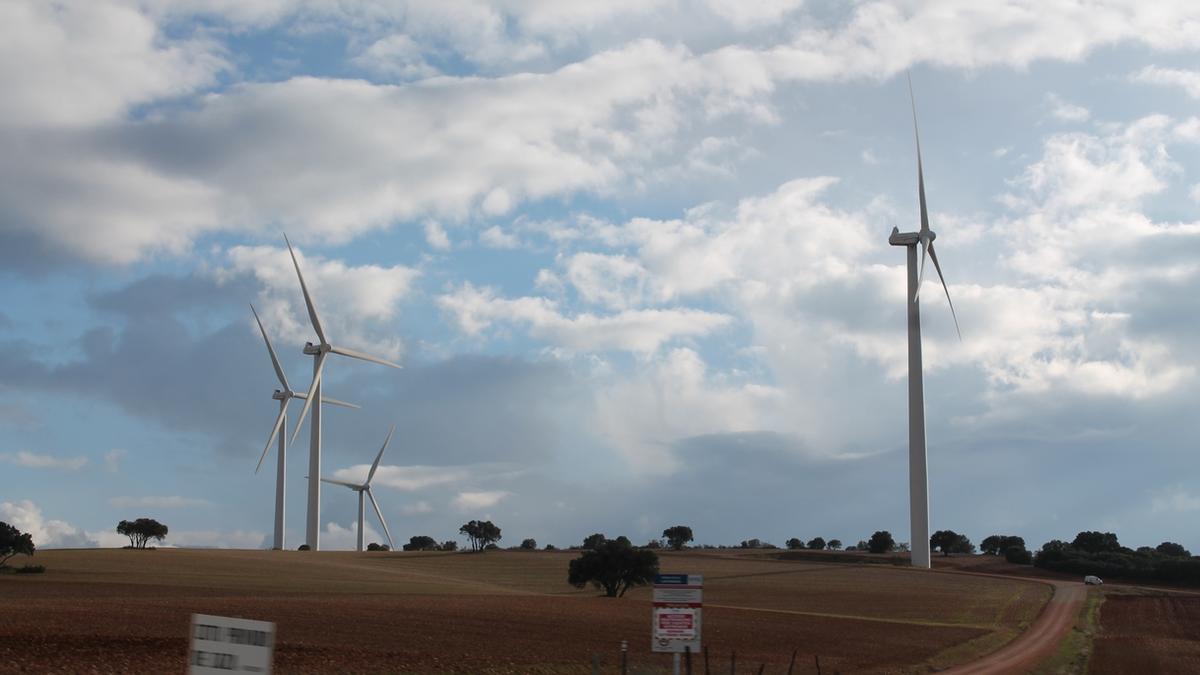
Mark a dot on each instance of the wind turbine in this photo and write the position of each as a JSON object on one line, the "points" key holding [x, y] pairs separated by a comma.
{"points": [[918, 466], [284, 396], [320, 351], [365, 488]]}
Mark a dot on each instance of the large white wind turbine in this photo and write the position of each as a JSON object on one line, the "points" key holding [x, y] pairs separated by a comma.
{"points": [[918, 468], [320, 351], [284, 395], [365, 488]]}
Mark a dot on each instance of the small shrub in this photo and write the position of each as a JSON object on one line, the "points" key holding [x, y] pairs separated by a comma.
{"points": [[304, 547], [31, 569]]}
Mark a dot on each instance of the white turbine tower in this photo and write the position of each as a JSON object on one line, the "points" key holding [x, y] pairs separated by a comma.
{"points": [[918, 468], [284, 396], [365, 488], [320, 351]]}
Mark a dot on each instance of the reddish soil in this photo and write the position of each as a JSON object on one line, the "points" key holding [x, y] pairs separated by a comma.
{"points": [[127, 628], [113, 612], [1147, 634]]}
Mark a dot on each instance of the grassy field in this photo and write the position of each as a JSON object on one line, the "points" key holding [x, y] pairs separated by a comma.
{"points": [[496, 612]]}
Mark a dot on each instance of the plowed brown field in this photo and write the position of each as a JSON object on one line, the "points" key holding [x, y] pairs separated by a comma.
{"points": [[500, 612], [1147, 634]]}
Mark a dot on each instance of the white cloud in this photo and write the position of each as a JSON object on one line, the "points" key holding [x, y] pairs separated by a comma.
{"points": [[1187, 80], [469, 501], [885, 37], [644, 330], [112, 459], [350, 300], [171, 502], [397, 56], [614, 281], [339, 538], [672, 398], [494, 237], [459, 146], [1175, 500], [1065, 111], [27, 517], [435, 236], [410, 478], [35, 461], [418, 508], [73, 63]]}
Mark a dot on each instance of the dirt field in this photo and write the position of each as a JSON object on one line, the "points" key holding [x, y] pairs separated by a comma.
{"points": [[1147, 632], [503, 612]]}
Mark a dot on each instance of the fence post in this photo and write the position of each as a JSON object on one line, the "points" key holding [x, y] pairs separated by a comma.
{"points": [[706, 660], [818, 659], [624, 657], [687, 659], [792, 665], [733, 662]]}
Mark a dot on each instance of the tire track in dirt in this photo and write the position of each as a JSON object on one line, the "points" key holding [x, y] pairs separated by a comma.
{"points": [[857, 617]]}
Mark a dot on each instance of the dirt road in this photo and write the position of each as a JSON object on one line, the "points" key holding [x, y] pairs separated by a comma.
{"points": [[1040, 640]]}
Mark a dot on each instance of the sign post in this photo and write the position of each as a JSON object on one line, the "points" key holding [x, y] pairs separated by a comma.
{"points": [[675, 621], [224, 645]]}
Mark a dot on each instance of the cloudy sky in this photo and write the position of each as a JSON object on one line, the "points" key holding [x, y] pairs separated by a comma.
{"points": [[632, 255]]}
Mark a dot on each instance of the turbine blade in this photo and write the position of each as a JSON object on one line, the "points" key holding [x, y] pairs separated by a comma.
{"points": [[920, 169], [271, 438], [936, 266], [381, 520], [925, 244], [271, 350], [312, 311], [341, 482], [360, 355], [308, 399], [325, 400], [380, 455]]}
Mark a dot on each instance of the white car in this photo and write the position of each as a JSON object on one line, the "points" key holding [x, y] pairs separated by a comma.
{"points": [[1093, 580]]}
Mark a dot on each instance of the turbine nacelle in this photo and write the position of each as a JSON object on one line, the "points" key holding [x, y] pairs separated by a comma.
{"points": [[313, 350]]}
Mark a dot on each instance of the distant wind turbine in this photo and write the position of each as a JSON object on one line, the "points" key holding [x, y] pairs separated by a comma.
{"points": [[320, 351], [284, 396], [918, 466], [365, 488]]}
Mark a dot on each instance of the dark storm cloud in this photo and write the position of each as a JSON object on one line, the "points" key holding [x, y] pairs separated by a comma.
{"points": [[465, 410], [158, 366]]}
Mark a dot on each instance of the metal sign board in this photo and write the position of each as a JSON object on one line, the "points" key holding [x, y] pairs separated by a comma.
{"points": [[676, 617], [223, 645]]}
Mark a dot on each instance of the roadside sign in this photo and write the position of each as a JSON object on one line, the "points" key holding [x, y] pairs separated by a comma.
{"points": [[676, 617], [222, 645]]}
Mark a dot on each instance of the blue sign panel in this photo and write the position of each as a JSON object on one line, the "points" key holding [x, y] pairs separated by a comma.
{"points": [[680, 579]]}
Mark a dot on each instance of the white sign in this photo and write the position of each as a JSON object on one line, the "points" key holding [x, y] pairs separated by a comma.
{"points": [[677, 613], [226, 645]]}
